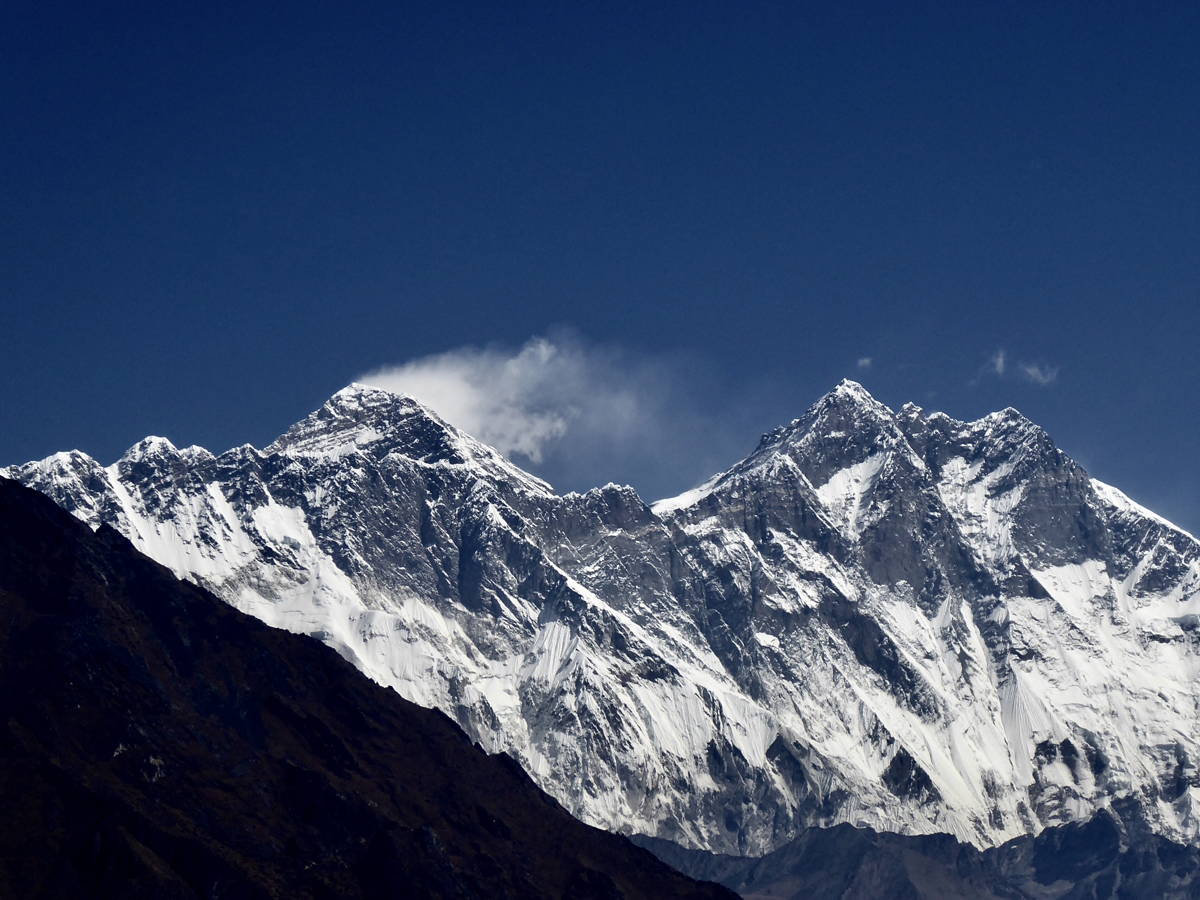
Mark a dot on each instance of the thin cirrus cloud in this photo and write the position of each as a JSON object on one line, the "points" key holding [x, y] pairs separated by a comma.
{"points": [[864, 362], [575, 411], [1039, 373], [998, 363], [997, 366]]}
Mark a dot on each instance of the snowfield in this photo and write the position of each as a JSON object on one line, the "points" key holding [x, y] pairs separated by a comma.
{"points": [[892, 619]]}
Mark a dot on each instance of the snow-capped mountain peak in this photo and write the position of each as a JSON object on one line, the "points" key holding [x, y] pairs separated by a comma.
{"points": [[359, 417], [899, 620], [364, 419], [152, 446], [848, 408]]}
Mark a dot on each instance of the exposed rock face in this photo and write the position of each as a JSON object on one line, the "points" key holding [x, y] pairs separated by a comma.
{"points": [[890, 619], [157, 743]]}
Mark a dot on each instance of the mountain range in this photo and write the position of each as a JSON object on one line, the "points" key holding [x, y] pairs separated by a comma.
{"points": [[158, 743], [890, 619]]}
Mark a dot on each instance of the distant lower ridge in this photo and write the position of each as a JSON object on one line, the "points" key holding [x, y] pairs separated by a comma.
{"points": [[158, 743], [1098, 859]]}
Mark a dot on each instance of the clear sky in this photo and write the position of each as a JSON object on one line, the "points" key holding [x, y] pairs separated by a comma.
{"points": [[214, 216]]}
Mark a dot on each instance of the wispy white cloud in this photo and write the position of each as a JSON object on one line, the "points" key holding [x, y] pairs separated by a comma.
{"points": [[997, 366], [517, 401], [577, 412], [998, 362], [1039, 373], [865, 362]]}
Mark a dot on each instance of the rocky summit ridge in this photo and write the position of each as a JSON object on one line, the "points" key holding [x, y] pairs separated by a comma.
{"points": [[892, 619]]}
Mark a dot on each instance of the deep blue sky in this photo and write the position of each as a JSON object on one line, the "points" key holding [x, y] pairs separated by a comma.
{"points": [[215, 217]]}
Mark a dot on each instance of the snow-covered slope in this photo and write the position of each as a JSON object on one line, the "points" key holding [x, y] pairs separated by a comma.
{"points": [[885, 618]]}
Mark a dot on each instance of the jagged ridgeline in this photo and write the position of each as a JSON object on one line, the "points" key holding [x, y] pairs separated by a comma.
{"points": [[159, 744], [891, 619]]}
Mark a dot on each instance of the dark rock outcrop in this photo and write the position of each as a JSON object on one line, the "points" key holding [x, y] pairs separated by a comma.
{"points": [[158, 743]]}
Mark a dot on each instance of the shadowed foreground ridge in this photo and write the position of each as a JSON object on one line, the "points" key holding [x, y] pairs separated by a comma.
{"points": [[159, 743]]}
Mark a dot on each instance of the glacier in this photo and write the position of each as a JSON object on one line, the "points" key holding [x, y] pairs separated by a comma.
{"points": [[888, 618]]}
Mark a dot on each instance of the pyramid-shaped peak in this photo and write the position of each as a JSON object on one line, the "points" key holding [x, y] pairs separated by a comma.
{"points": [[362, 418], [848, 405], [149, 446], [849, 400], [360, 402], [850, 394], [1008, 414], [359, 394], [1010, 427], [847, 387], [361, 415]]}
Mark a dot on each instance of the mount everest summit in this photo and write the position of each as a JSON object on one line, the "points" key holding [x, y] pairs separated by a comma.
{"points": [[886, 618]]}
